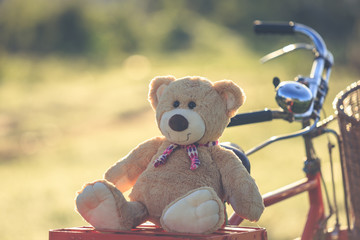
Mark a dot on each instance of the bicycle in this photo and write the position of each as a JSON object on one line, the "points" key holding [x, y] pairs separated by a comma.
{"points": [[301, 101]]}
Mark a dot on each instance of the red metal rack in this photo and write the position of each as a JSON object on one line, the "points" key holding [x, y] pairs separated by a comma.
{"points": [[148, 231]]}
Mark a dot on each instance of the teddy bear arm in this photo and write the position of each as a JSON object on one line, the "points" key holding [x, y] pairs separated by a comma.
{"points": [[245, 199], [124, 173], [239, 187]]}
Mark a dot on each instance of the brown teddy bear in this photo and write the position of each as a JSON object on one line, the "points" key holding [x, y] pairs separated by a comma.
{"points": [[181, 179]]}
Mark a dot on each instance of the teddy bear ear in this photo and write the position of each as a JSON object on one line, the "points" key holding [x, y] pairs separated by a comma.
{"points": [[157, 87], [232, 94]]}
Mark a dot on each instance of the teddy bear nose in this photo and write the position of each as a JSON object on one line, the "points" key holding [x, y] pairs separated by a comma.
{"points": [[178, 123]]}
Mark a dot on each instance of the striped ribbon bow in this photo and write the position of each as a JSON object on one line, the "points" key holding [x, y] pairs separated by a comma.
{"points": [[191, 151]]}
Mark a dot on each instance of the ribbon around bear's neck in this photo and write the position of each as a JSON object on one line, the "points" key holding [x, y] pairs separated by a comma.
{"points": [[191, 150]]}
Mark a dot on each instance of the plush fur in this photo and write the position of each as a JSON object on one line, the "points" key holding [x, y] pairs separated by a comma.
{"points": [[171, 195]]}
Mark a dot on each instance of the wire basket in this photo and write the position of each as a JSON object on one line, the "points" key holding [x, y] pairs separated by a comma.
{"points": [[347, 104]]}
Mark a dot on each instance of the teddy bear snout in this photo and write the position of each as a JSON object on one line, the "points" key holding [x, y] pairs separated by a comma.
{"points": [[182, 126], [178, 123]]}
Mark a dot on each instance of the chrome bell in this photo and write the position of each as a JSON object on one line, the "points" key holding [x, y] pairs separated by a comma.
{"points": [[293, 97]]}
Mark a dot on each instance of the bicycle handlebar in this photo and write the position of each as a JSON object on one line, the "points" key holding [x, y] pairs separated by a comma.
{"points": [[276, 28], [252, 117], [259, 116], [317, 83], [291, 28], [318, 80]]}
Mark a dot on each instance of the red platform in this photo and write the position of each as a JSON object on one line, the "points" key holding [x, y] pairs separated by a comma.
{"points": [[151, 232]]}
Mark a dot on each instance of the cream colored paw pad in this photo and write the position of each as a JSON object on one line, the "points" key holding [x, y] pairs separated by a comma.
{"points": [[198, 212], [97, 205]]}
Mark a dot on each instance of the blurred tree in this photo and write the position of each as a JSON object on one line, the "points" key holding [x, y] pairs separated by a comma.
{"points": [[73, 35], [66, 33], [177, 39]]}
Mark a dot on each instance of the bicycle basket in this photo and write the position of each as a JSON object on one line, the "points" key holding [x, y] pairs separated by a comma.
{"points": [[347, 104]]}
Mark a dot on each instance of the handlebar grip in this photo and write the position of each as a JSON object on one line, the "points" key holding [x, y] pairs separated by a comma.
{"points": [[253, 117], [276, 28]]}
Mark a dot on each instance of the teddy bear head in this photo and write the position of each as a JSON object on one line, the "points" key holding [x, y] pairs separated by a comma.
{"points": [[192, 109]]}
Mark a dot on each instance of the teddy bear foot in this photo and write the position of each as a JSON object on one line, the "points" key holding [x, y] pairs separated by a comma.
{"points": [[105, 208], [199, 211], [97, 205]]}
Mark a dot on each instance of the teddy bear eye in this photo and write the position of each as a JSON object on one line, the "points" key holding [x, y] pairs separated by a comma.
{"points": [[192, 105], [176, 104]]}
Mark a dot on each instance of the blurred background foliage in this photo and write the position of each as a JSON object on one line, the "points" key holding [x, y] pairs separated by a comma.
{"points": [[74, 78], [99, 29]]}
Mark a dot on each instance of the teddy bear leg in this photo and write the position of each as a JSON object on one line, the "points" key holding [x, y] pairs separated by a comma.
{"points": [[199, 211], [103, 206]]}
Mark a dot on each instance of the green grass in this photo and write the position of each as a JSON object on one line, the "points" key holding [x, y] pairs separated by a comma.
{"points": [[63, 122]]}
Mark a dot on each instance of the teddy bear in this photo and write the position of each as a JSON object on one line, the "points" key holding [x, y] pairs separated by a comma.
{"points": [[179, 180]]}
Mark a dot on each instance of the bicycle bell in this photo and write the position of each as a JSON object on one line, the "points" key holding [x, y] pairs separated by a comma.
{"points": [[293, 97]]}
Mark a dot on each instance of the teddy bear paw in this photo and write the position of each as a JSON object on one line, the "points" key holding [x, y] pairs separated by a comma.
{"points": [[255, 211], [97, 205], [200, 211]]}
